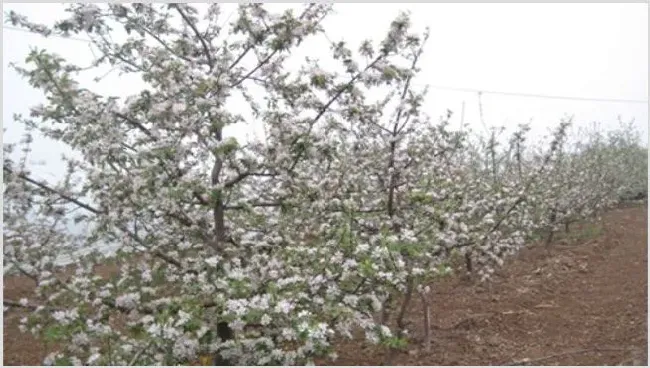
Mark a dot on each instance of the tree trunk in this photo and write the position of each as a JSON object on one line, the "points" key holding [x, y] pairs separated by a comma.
{"points": [[400, 320], [427, 321], [468, 263], [225, 333], [385, 310], [551, 232], [549, 238]]}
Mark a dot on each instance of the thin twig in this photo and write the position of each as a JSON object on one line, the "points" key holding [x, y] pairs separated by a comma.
{"points": [[15, 304], [137, 356]]}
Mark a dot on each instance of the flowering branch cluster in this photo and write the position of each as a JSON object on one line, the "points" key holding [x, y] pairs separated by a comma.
{"points": [[264, 252]]}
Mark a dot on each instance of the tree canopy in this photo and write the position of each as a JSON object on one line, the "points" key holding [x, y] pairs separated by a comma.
{"points": [[265, 252]]}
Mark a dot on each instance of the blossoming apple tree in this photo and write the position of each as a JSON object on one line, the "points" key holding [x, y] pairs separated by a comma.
{"points": [[256, 252]]}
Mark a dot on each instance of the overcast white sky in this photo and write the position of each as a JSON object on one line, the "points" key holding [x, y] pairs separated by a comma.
{"points": [[580, 50]]}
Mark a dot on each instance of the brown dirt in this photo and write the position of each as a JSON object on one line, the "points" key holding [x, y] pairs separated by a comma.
{"points": [[584, 303]]}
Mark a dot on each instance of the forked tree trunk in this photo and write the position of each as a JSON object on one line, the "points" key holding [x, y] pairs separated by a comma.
{"points": [[400, 320]]}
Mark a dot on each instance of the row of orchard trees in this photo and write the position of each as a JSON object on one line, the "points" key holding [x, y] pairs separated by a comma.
{"points": [[589, 173], [264, 253]]}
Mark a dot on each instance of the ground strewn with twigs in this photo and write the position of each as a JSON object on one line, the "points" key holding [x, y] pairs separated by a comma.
{"points": [[582, 303]]}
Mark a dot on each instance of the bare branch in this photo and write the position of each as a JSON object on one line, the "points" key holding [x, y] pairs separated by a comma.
{"points": [[15, 304], [136, 124], [47, 188]]}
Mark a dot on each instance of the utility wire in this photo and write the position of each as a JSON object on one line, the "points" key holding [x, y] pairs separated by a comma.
{"points": [[534, 95], [71, 38], [459, 89]]}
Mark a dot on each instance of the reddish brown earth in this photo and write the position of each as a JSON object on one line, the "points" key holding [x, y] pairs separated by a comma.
{"points": [[582, 303]]}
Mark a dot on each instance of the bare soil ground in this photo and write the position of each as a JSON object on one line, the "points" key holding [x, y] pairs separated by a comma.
{"points": [[582, 302]]}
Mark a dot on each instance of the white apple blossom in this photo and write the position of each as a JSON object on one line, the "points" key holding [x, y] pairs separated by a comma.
{"points": [[355, 197]]}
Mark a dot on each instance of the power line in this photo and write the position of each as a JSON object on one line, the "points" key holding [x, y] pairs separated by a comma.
{"points": [[459, 89], [534, 95], [71, 38]]}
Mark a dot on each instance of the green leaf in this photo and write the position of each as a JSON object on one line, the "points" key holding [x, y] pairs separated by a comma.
{"points": [[63, 361], [254, 316], [389, 73], [366, 267], [137, 331], [396, 342], [192, 325], [443, 269], [54, 333], [318, 81]]}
